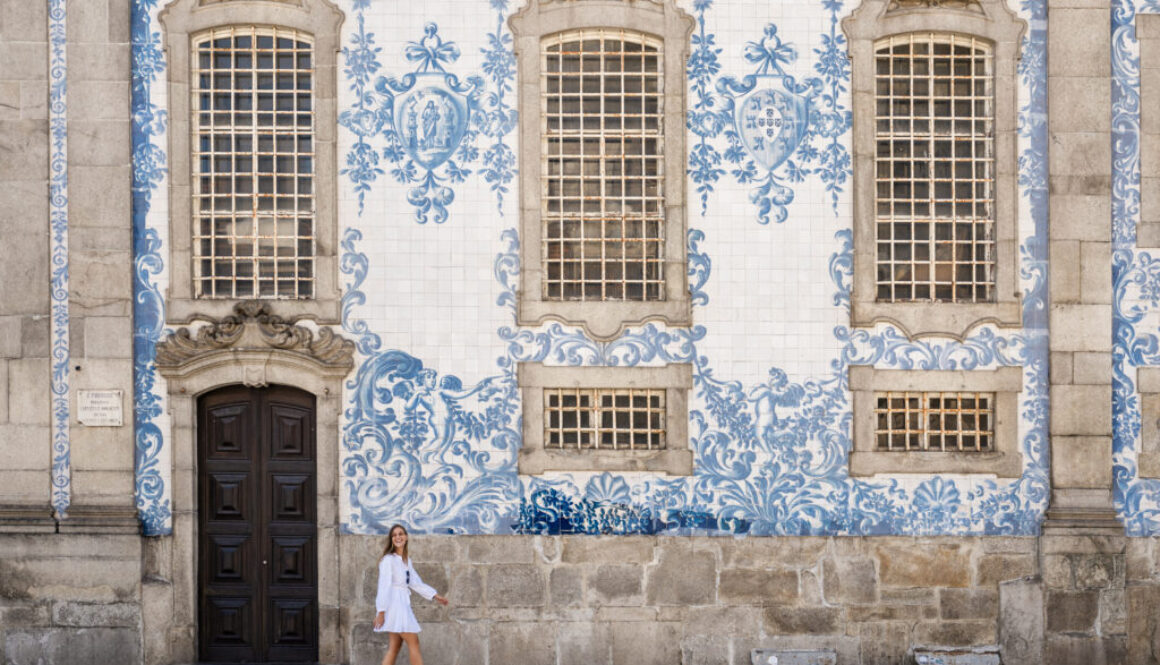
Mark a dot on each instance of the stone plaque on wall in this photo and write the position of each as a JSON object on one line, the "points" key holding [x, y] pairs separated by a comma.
{"points": [[100, 408]]}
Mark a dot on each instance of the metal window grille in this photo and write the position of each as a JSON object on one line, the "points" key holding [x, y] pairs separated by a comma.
{"points": [[604, 418], [603, 166], [935, 169], [937, 421], [253, 156]]}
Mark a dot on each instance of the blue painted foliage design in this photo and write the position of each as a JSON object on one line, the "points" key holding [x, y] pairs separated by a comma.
{"points": [[769, 459], [148, 131]]}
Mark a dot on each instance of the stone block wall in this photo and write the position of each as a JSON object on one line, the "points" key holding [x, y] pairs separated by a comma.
{"points": [[24, 310], [579, 600], [70, 599]]}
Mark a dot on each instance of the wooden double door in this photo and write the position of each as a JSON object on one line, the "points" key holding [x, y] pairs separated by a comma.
{"points": [[257, 550]]}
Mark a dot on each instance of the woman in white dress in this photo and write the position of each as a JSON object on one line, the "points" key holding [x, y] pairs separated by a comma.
{"points": [[397, 578]]}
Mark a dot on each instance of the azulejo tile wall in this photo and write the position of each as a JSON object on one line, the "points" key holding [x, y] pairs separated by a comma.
{"points": [[430, 269], [1135, 279]]}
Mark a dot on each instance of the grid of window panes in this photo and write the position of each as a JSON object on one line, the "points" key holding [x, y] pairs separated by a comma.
{"points": [[604, 418], [603, 166], [939, 421], [935, 169], [253, 164]]}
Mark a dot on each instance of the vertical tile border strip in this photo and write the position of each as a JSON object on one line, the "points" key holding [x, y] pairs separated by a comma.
{"points": [[148, 164], [58, 220]]}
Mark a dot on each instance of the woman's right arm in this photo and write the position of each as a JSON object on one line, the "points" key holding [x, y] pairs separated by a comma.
{"points": [[384, 584]]}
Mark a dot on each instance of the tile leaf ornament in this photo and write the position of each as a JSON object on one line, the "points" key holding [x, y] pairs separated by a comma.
{"points": [[778, 129], [1135, 280], [148, 131], [59, 222], [428, 121]]}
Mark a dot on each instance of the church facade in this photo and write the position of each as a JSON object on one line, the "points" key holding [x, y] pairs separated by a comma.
{"points": [[674, 331]]}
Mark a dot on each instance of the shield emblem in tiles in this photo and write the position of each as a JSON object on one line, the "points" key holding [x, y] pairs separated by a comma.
{"points": [[431, 122], [771, 124]]}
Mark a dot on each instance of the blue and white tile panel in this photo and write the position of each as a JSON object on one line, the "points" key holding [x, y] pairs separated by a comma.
{"points": [[1135, 276], [430, 268], [153, 458], [59, 267]]}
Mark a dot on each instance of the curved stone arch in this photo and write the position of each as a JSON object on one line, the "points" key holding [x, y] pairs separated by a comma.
{"points": [[252, 347]]}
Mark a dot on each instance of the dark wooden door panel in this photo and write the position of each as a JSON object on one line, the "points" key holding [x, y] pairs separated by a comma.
{"points": [[257, 518]]}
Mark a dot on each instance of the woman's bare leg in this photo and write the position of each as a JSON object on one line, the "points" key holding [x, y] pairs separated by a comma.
{"points": [[396, 643], [412, 640]]}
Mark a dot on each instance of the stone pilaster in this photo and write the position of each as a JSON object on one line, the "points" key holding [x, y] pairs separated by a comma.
{"points": [[1082, 551], [1079, 89]]}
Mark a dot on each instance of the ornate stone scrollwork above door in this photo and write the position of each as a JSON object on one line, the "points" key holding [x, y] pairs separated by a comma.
{"points": [[252, 336]]}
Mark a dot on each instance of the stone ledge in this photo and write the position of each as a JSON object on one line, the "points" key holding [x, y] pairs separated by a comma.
{"points": [[101, 520], [26, 519]]}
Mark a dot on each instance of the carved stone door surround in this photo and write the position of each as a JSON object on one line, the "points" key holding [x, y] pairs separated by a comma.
{"points": [[256, 348]]}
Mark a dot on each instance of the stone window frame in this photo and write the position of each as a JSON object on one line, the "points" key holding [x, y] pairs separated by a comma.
{"points": [[675, 459], [1006, 461], [322, 20], [994, 22], [603, 320], [1148, 384]]}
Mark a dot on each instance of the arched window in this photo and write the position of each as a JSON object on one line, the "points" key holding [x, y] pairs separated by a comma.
{"points": [[935, 166]]}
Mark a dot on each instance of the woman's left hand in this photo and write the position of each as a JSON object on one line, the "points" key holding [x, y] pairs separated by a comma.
{"points": [[441, 600]]}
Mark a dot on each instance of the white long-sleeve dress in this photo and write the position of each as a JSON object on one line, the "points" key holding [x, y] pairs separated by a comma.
{"points": [[394, 595]]}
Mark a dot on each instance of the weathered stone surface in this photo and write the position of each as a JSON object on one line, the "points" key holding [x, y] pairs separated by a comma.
{"points": [[757, 587], [528, 642], [35, 337], [682, 578], [1081, 461], [707, 649], [807, 620], [566, 586], [451, 643], [616, 584], [72, 646], [883, 643], [1072, 611], [995, 568], [434, 574], [1021, 624], [651, 643], [1057, 571], [584, 643], [1099, 571], [1072, 650], [10, 335], [850, 581], [955, 633], [891, 612], [1143, 623], [723, 621], [968, 603], [931, 565], [111, 615], [108, 337], [795, 657], [466, 586], [23, 21], [485, 549], [1113, 612], [25, 615], [607, 549], [1069, 413], [28, 391], [515, 585], [761, 552], [1078, 328]]}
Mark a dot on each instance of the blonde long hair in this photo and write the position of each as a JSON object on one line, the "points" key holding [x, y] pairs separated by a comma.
{"points": [[390, 548]]}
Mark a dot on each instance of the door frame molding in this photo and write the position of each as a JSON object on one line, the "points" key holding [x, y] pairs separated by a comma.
{"points": [[255, 349]]}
